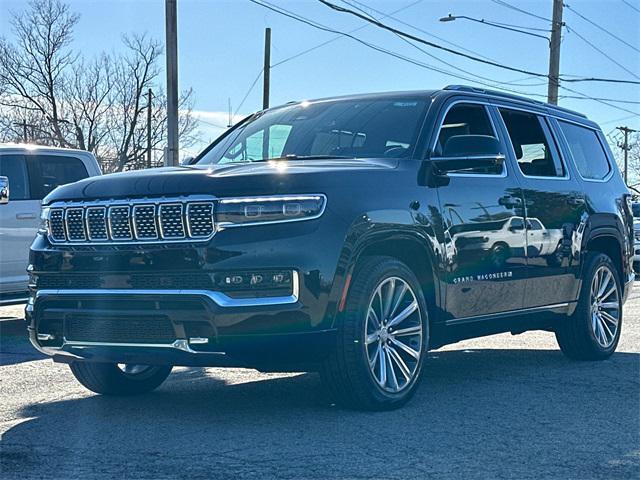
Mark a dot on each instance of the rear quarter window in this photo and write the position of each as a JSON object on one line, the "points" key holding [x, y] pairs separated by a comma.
{"points": [[46, 172], [587, 151]]}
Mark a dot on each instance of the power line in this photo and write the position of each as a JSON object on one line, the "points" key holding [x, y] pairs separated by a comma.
{"points": [[616, 120], [630, 72], [455, 52], [631, 5], [455, 67], [525, 12], [337, 37], [319, 26], [427, 42], [246, 95], [612, 35], [423, 31], [603, 102], [613, 100]]}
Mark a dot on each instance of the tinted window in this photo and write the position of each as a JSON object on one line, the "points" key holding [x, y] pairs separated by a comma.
{"points": [[534, 224], [534, 150], [386, 127], [47, 172], [636, 210], [464, 119], [586, 150], [14, 168], [516, 224]]}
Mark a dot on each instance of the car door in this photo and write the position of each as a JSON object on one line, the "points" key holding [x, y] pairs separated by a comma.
{"points": [[18, 224], [553, 203], [485, 265]]}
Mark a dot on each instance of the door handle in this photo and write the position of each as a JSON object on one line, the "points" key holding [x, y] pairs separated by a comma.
{"points": [[576, 201], [509, 201], [26, 216]]}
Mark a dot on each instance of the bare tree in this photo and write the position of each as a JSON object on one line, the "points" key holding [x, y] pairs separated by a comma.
{"points": [[94, 104], [87, 101], [32, 71]]}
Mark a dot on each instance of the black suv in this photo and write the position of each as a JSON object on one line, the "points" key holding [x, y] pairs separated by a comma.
{"points": [[347, 236]]}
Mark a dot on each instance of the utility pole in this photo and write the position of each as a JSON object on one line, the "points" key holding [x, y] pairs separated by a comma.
{"points": [[267, 68], [149, 95], [171, 17], [23, 124], [554, 53], [625, 147], [230, 122]]}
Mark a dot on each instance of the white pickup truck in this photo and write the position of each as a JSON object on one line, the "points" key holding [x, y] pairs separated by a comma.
{"points": [[27, 174]]}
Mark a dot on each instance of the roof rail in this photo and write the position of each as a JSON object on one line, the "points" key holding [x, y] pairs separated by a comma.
{"points": [[511, 96]]}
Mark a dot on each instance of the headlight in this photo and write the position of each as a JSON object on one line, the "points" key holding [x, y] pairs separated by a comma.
{"points": [[44, 221], [233, 212]]}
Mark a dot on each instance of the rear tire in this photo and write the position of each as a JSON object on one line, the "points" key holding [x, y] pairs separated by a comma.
{"points": [[111, 379], [593, 331], [395, 344]]}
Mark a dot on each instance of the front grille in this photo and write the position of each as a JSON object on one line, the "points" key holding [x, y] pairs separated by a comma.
{"points": [[133, 221], [146, 329], [74, 220], [171, 224]]}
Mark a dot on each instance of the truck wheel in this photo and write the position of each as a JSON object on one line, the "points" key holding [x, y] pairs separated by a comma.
{"points": [[382, 338], [119, 379], [593, 331]]}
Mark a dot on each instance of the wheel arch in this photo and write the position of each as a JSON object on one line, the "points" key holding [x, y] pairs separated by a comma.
{"points": [[607, 240], [412, 249]]}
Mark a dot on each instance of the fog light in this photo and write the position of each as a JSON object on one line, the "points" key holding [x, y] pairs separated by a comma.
{"points": [[256, 280]]}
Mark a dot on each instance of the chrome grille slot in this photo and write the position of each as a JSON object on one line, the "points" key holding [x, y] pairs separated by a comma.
{"points": [[74, 223], [56, 222], [171, 221], [119, 222], [132, 221], [144, 222], [200, 219], [96, 219]]}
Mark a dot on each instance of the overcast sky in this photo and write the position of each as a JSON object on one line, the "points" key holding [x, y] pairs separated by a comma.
{"points": [[220, 46]]}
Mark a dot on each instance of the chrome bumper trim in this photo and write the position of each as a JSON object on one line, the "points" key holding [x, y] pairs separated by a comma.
{"points": [[219, 298]]}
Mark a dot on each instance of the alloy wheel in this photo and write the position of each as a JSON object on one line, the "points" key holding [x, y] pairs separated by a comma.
{"points": [[393, 334], [133, 369], [605, 307]]}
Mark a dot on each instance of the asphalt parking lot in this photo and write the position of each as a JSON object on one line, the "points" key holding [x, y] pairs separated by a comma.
{"points": [[497, 407]]}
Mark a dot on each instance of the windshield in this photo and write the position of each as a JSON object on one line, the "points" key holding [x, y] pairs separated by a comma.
{"points": [[386, 127]]}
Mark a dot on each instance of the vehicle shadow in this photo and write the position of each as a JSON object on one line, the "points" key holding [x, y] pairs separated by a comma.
{"points": [[479, 414]]}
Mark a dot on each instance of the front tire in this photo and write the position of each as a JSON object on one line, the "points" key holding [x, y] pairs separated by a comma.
{"points": [[115, 379], [382, 338], [593, 331]]}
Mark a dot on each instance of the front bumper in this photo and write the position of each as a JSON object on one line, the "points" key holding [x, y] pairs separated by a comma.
{"points": [[193, 318], [187, 327]]}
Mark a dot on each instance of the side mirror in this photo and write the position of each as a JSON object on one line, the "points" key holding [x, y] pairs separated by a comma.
{"points": [[4, 190], [469, 152], [186, 161]]}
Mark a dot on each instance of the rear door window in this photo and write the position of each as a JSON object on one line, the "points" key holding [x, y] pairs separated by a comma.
{"points": [[15, 169], [586, 150], [533, 146], [47, 172]]}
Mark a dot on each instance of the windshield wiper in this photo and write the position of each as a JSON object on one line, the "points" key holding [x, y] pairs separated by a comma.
{"points": [[302, 157]]}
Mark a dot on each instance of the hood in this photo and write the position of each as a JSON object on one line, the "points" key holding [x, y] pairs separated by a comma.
{"points": [[260, 178]]}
